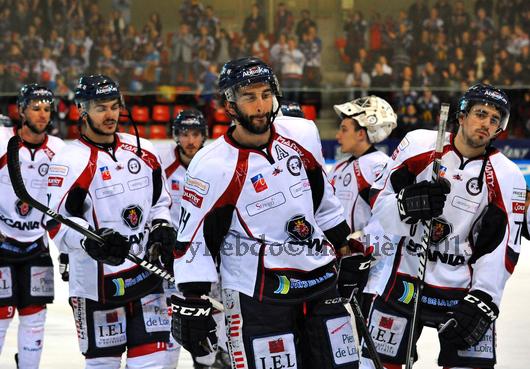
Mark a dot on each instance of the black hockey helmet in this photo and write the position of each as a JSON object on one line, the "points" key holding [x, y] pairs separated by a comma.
{"points": [[34, 91], [488, 95], [96, 87], [189, 119], [291, 109], [244, 72]]}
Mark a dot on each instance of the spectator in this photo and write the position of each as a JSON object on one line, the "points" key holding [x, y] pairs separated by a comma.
{"points": [[428, 109], [181, 59], [460, 21], [71, 65], [293, 62], [311, 47], [418, 12], [210, 21], [277, 52], [445, 11], [283, 21], [407, 121], [46, 69], [261, 47], [304, 24], [117, 24], [355, 29], [130, 40], [451, 76], [253, 25], [223, 47], [380, 80], [32, 44], [519, 77], [107, 63], [429, 76], [401, 44], [519, 40], [124, 7], [154, 20], [506, 11], [434, 23], [205, 42], [61, 89], [405, 97], [358, 80], [191, 11], [151, 67], [483, 23], [55, 43], [487, 5], [423, 50], [498, 76], [387, 69], [207, 88]]}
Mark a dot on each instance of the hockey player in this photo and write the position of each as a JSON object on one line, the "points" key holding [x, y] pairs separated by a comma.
{"points": [[258, 198], [476, 210], [291, 109], [26, 269], [113, 183], [190, 131], [364, 122]]}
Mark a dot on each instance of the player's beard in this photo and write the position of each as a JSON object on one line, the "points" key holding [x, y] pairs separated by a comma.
{"points": [[33, 128], [247, 121], [100, 131], [475, 140], [190, 151]]}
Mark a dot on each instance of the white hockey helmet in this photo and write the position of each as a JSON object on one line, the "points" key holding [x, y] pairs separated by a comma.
{"points": [[372, 113]]}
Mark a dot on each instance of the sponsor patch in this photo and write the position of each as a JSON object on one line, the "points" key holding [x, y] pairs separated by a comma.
{"points": [[41, 281], [442, 171], [275, 351], [132, 215], [105, 173], [155, 310], [518, 207], [465, 204], [485, 349], [109, 191], [440, 230], [79, 309], [265, 204], [110, 327], [61, 170], [39, 183], [197, 185], [175, 185], [6, 283], [387, 332], [133, 165], [294, 165], [402, 145], [259, 183], [408, 292], [299, 188], [23, 209], [344, 195], [519, 194], [137, 184], [342, 340], [55, 181], [285, 284], [193, 198], [299, 228], [43, 169]]}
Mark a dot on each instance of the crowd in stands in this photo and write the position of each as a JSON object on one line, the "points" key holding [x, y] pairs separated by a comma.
{"points": [[428, 52], [432, 52]]}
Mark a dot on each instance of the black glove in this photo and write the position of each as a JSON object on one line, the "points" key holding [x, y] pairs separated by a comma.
{"points": [[193, 326], [112, 252], [63, 267], [161, 242], [422, 201], [470, 320], [353, 274]]}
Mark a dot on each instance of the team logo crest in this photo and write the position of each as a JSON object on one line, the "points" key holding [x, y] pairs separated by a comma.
{"points": [[294, 165], [440, 230], [43, 169], [23, 209], [347, 180], [132, 216], [472, 187], [134, 166], [299, 228]]}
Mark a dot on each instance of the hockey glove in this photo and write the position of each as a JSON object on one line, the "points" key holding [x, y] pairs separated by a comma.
{"points": [[193, 326], [63, 267], [469, 321], [422, 201], [161, 242], [353, 274], [112, 252]]}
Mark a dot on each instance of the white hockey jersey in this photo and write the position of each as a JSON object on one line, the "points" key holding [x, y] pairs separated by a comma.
{"points": [[113, 190], [265, 212], [19, 222], [475, 243], [175, 173]]}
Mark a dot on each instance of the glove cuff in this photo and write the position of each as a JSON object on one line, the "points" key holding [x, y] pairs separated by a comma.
{"points": [[484, 302]]}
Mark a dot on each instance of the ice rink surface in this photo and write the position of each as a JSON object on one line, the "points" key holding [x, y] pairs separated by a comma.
{"points": [[513, 327]]}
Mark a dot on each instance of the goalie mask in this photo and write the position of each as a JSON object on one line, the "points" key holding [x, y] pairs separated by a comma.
{"points": [[372, 113]]}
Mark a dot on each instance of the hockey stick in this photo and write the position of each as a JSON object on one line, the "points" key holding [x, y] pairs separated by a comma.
{"points": [[358, 314], [13, 166], [426, 237]]}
